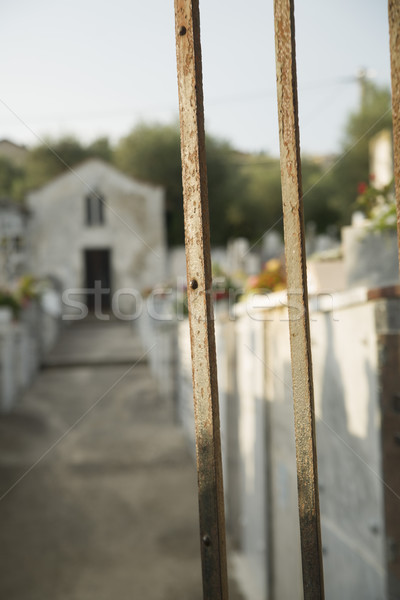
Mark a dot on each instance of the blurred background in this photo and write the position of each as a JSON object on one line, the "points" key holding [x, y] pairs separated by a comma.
{"points": [[100, 80], [97, 469]]}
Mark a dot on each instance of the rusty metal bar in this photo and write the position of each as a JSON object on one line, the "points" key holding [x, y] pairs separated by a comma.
{"points": [[303, 393], [198, 265], [394, 31]]}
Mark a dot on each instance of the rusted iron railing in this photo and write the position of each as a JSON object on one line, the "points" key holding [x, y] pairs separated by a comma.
{"points": [[394, 30], [198, 264], [390, 363], [198, 260], [299, 325]]}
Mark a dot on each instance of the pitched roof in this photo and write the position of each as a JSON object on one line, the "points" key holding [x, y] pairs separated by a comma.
{"points": [[78, 171]]}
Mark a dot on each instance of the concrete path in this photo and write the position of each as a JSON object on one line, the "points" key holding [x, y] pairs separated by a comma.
{"points": [[98, 491]]}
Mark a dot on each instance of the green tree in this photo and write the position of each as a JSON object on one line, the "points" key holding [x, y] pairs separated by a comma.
{"points": [[319, 187], [151, 152], [261, 206], [372, 115], [11, 179], [227, 189], [100, 148], [51, 158]]}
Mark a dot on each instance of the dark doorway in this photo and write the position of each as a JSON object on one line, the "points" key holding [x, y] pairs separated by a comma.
{"points": [[98, 279]]}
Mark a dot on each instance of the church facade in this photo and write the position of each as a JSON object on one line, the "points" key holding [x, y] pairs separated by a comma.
{"points": [[101, 235]]}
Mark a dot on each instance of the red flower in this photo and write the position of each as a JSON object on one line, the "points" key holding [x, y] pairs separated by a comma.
{"points": [[362, 187], [221, 294]]}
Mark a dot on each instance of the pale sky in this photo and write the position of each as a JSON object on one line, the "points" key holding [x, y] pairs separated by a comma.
{"points": [[92, 68]]}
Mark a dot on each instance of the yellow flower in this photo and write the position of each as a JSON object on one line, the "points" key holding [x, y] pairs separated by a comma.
{"points": [[273, 266]]}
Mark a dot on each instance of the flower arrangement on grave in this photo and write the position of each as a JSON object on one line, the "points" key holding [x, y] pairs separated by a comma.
{"points": [[271, 279], [223, 285], [27, 289], [9, 300], [378, 204], [20, 294]]}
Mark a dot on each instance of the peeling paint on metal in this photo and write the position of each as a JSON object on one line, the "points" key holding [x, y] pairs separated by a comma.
{"points": [[198, 264], [303, 394], [394, 30]]}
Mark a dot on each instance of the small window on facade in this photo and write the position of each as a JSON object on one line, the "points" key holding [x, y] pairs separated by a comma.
{"points": [[94, 209]]}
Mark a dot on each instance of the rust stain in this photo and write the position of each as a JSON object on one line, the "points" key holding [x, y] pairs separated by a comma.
{"points": [[197, 242], [394, 30], [303, 394]]}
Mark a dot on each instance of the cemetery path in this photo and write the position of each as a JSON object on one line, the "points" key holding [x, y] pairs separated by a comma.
{"points": [[98, 490]]}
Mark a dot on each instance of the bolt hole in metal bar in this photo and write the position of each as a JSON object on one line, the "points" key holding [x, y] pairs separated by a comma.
{"points": [[303, 394], [198, 264]]}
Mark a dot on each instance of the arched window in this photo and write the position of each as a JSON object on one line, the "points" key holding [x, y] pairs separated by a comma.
{"points": [[94, 208]]}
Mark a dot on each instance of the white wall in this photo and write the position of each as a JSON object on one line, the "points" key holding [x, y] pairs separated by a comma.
{"points": [[23, 344], [255, 393]]}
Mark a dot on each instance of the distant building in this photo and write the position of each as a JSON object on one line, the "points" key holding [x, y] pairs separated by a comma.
{"points": [[381, 158], [93, 227], [13, 152], [13, 255]]}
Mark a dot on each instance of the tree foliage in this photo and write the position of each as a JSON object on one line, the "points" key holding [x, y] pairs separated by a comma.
{"points": [[48, 160], [100, 148], [261, 207], [151, 152], [11, 179], [244, 189], [372, 115], [319, 189], [51, 158]]}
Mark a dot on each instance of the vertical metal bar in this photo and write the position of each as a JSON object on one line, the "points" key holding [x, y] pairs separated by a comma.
{"points": [[388, 338], [394, 31], [303, 394], [198, 264]]}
